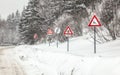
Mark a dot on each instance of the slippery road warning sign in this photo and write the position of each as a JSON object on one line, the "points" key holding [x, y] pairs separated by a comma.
{"points": [[50, 32], [94, 21], [68, 31]]}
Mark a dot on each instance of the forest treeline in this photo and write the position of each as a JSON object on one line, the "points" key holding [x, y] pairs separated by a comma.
{"points": [[39, 15]]}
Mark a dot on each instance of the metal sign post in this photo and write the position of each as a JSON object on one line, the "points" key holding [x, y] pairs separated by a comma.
{"points": [[57, 42], [49, 33], [49, 43], [67, 44], [95, 40]]}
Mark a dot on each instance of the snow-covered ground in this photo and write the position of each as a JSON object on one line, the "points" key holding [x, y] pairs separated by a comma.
{"points": [[80, 60]]}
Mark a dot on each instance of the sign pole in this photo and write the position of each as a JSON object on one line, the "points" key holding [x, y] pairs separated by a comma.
{"points": [[49, 33], [49, 43], [57, 41], [67, 44], [95, 40]]}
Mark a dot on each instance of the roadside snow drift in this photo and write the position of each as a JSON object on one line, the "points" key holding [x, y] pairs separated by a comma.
{"points": [[45, 60]]}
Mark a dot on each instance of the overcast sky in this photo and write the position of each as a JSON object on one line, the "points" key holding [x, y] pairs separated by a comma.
{"points": [[9, 6]]}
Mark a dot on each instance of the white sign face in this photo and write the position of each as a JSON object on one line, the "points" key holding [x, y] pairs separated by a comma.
{"points": [[57, 30], [94, 22]]}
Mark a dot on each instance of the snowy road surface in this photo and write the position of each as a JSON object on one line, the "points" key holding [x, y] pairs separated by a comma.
{"points": [[7, 65]]}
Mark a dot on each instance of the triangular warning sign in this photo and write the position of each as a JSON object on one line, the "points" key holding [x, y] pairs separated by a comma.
{"points": [[50, 32], [68, 31], [35, 36], [94, 21]]}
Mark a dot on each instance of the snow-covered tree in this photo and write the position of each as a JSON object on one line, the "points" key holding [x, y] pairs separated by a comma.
{"points": [[12, 27], [109, 17], [31, 23]]}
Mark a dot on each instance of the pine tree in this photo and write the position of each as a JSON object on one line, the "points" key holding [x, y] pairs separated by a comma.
{"points": [[17, 21], [31, 22], [12, 27]]}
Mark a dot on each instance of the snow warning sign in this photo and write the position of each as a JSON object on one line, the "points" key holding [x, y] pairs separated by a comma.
{"points": [[94, 21], [50, 32], [68, 31]]}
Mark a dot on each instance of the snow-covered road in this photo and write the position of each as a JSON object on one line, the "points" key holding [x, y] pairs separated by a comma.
{"points": [[7, 65]]}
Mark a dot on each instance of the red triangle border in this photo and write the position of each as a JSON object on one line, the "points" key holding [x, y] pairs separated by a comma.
{"points": [[71, 32], [97, 21]]}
